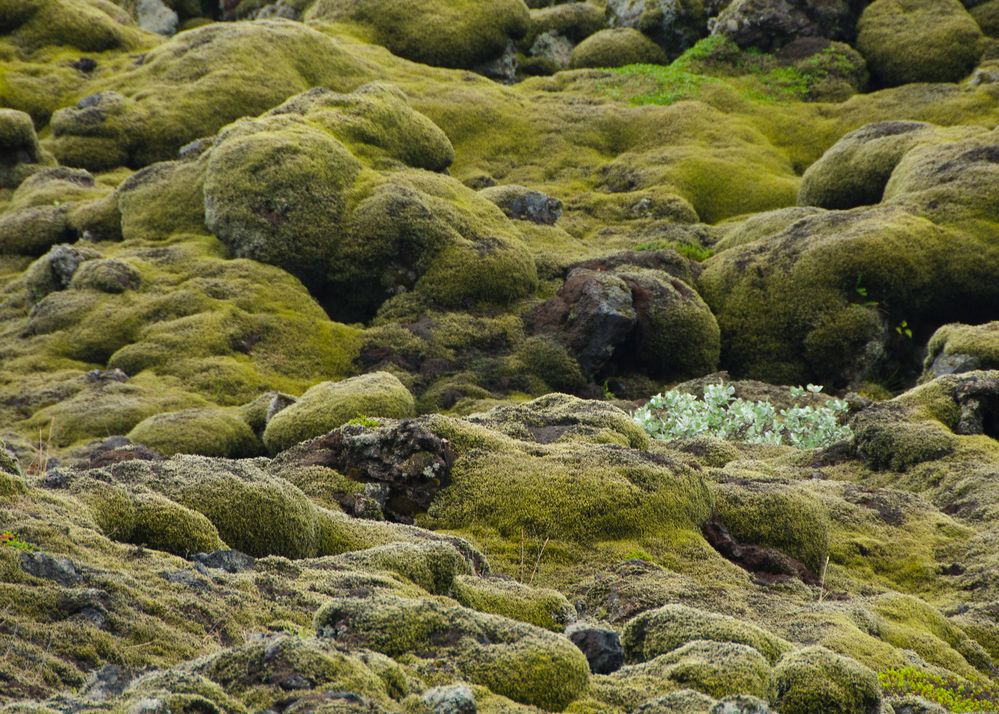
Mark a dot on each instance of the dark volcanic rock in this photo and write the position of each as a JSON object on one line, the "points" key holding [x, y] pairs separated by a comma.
{"points": [[42, 565], [591, 314], [601, 645], [407, 458]]}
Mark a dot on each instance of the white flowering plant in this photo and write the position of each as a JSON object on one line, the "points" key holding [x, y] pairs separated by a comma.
{"points": [[678, 415]]}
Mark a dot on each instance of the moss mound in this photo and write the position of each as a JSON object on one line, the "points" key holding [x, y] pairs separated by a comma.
{"points": [[666, 629], [205, 432], [616, 48], [524, 663], [87, 25], [784, 518], [357, 236], [918, 41], [201, 80], [500, 596], [328, 405], [962, 348], [459, 34], [814, 679]]}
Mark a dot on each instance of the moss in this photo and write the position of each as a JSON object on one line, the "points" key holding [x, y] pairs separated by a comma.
{"points": [[162, 524], [204, 79], [573, 20], [500, 596], [107, 276], [180, 691], [8, 462], [616, 48], [461, 34], [676, 335], [815, 679], [328, 405], [19, 149], [161, 200], [248, 671], [55, 270], [986, 14], [570, 493], [784, 518], [550, 362], [205, 432], [91, 26], [886, 439], [664, 630], [717, 669], [524, 663], [434, 566], [855, 171], [760, 225], [979, 342], [356, 236], [918, 41]]}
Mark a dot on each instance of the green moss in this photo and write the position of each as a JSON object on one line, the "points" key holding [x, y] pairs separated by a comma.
{"points": [[664, 630], [784, 518], [161, 200], [328, 405], [573, 20], [162, 524], [979, 342], [204, 79], [91, 26], [550, 362], [524, 663], [536, 606], [460, 34], [8, 462], [247, 671], [920, 690], [886, 439], [572, 492], [815, 679], [676, 335], [616, 48], [918, 41], [986, 14], [205, 432], [716, 669], [107, 276], [18, 146], [434, 566], [855, 171]]}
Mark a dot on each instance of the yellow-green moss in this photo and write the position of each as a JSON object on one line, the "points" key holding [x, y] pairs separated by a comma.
{"points": [[205, 432], [457, 34], [500, 596], [519, 661], [918, 41], [788, 519], [815, 679], [328, 405], [664, 630], [616, 48]]}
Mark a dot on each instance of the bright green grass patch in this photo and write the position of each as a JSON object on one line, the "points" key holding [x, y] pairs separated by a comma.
{"points": [[955, 694]]}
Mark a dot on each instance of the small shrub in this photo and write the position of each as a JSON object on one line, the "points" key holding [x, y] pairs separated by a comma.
{"points": [[11, 540], [678, 415], [949, 692]]}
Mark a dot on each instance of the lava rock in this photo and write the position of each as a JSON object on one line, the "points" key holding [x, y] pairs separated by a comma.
{"points": [[231, 561], [43, 565], [601, 645]]}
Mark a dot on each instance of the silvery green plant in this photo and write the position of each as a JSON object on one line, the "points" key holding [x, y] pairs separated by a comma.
{"points": [[678, 415]]}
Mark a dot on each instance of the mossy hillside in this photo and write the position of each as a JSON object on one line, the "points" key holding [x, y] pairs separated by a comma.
{"points": [[522, 662], [328, 405], [918, 41], [463, 34]]}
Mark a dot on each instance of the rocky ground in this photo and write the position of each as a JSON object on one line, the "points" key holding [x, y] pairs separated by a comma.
{"points": [[322, 323]]}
